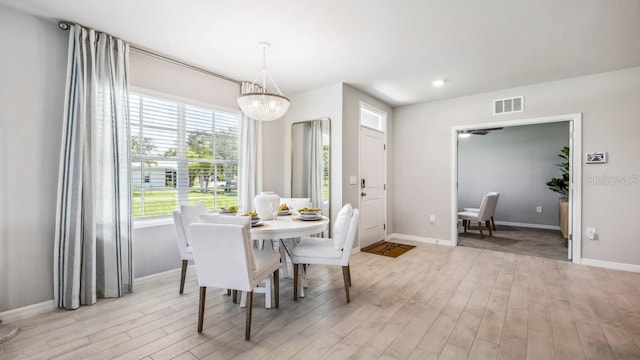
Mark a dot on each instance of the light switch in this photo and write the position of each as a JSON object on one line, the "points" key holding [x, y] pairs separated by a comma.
{"points": [[353, 180], [591, 233]]}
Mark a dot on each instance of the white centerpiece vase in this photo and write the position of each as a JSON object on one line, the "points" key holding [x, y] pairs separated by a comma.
{"points": [[263, 203]]}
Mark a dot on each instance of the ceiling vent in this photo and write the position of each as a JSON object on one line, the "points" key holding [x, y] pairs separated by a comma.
{"points": [[510, 105]]}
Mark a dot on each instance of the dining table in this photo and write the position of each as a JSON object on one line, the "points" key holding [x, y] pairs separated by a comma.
{"points": [[288, 227]]}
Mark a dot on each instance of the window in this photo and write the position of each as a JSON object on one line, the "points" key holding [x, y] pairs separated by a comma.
{"points": [[372, 118], [181, 153]]}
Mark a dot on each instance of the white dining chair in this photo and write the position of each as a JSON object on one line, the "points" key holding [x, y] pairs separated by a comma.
{"points": [[487, 208], [493, 223], [182, 218], [294, 204], [245, 221], [329, 251], [224, 258]]}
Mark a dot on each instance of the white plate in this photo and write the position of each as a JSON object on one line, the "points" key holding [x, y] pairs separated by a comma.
{"points": [[310, 218], [284, 213], [256, 224]]}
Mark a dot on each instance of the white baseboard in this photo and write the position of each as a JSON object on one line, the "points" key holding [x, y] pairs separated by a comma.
{"points": [[526, 225], [610, 265], [46, 306], [421, 239], [146, 279], [27, 311]]}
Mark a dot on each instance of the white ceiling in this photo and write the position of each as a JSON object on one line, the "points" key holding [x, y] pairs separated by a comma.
{"points": [[391, 49]]}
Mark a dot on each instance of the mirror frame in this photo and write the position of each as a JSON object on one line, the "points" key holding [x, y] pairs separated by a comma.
{"points": [[328, 120]]}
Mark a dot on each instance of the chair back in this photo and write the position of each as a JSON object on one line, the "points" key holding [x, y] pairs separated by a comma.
{"points": [[222, 256], [299, 202], [181, 220], [351, 237], [487, 207], [497, 194], [181, 236], [226, 219]]}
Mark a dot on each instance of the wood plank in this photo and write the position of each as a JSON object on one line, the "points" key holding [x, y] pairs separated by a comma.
{"points": [[433, 302]]}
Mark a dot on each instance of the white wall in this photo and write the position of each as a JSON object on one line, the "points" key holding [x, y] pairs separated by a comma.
{"points": [[312, 105], [517, 162], [32, 69], [610, 107], [351, 145], [272, 149]]}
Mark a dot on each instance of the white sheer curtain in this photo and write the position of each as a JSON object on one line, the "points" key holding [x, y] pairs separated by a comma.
{"points": [[93, 254], [315, 162], [250, 171]]}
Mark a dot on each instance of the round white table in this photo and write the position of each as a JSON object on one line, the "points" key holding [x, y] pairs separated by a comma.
{"points": [[285, 227]]}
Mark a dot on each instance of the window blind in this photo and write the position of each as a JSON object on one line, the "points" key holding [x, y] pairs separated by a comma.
{"points": [[181, 153]]}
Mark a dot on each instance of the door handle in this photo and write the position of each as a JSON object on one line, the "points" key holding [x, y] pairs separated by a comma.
{"points": [[363, 194]]}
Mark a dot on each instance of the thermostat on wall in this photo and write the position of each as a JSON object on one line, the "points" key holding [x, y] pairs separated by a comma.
{"points": [[596, 158]]}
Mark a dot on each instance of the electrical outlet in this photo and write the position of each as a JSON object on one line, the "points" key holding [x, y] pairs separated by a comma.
{"points": [[432, 219], [591, 233], [539, 209]]}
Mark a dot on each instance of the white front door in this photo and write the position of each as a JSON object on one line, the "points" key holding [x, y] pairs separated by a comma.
{"points": [[372, 186]]}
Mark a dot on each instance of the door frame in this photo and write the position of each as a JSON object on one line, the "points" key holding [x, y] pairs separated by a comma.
{"points": [[575, 160], [385, 134]]}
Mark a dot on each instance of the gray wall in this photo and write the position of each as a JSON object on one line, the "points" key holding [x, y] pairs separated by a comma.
{"points": [[32, 69], [351, 144], [517, 162], [33, 73], [610, 108]]}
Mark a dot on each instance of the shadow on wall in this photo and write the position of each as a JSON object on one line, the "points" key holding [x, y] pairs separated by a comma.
{"points": [[4, 241]]}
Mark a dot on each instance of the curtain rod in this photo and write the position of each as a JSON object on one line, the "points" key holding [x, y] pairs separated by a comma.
{"points": [[65, 25]]}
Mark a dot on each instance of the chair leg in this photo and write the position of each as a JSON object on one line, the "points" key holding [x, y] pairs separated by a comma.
{"points": [[349, 272], [183, 275], [247, 327], [276, 288], [235, 296], [345, 276], [203, 298], [493, 224], [480, 227], [465, 225], [228, 292], [296, 276], [488, 222]]}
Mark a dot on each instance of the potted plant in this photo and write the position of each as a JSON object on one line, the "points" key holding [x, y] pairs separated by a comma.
{"points": [[561, 186]]}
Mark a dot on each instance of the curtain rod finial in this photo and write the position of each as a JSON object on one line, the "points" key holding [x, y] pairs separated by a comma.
{"points": [[63, 25]]}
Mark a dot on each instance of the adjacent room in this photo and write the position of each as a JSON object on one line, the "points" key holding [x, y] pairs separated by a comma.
{"points": [[516, 162], [266, 179]]}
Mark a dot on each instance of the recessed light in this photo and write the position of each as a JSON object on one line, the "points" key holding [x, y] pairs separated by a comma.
{"points": [[464, 135], [437, 83]]}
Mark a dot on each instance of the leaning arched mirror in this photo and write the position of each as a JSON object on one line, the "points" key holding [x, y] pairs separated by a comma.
{"points": [[310, 157]]}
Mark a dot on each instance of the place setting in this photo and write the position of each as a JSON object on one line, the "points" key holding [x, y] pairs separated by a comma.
{"points": [[310, 214], [255, 220], [284, 210]]}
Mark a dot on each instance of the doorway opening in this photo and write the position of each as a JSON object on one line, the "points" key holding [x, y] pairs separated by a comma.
{"points": [[512, 158]]}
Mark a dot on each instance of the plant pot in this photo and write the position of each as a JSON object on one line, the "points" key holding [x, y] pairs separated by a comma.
{"points": [[564, 219]]}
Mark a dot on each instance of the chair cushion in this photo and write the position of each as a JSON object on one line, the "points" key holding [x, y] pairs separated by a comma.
{"points": [[341, 227], [266, 261], [317, 248], [468, 215]]}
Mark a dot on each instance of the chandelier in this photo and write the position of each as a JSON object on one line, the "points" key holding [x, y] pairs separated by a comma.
{"points": [[263, 105]]}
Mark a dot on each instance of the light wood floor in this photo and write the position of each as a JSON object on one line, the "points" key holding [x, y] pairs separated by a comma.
{"points": [[433, 302]]}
